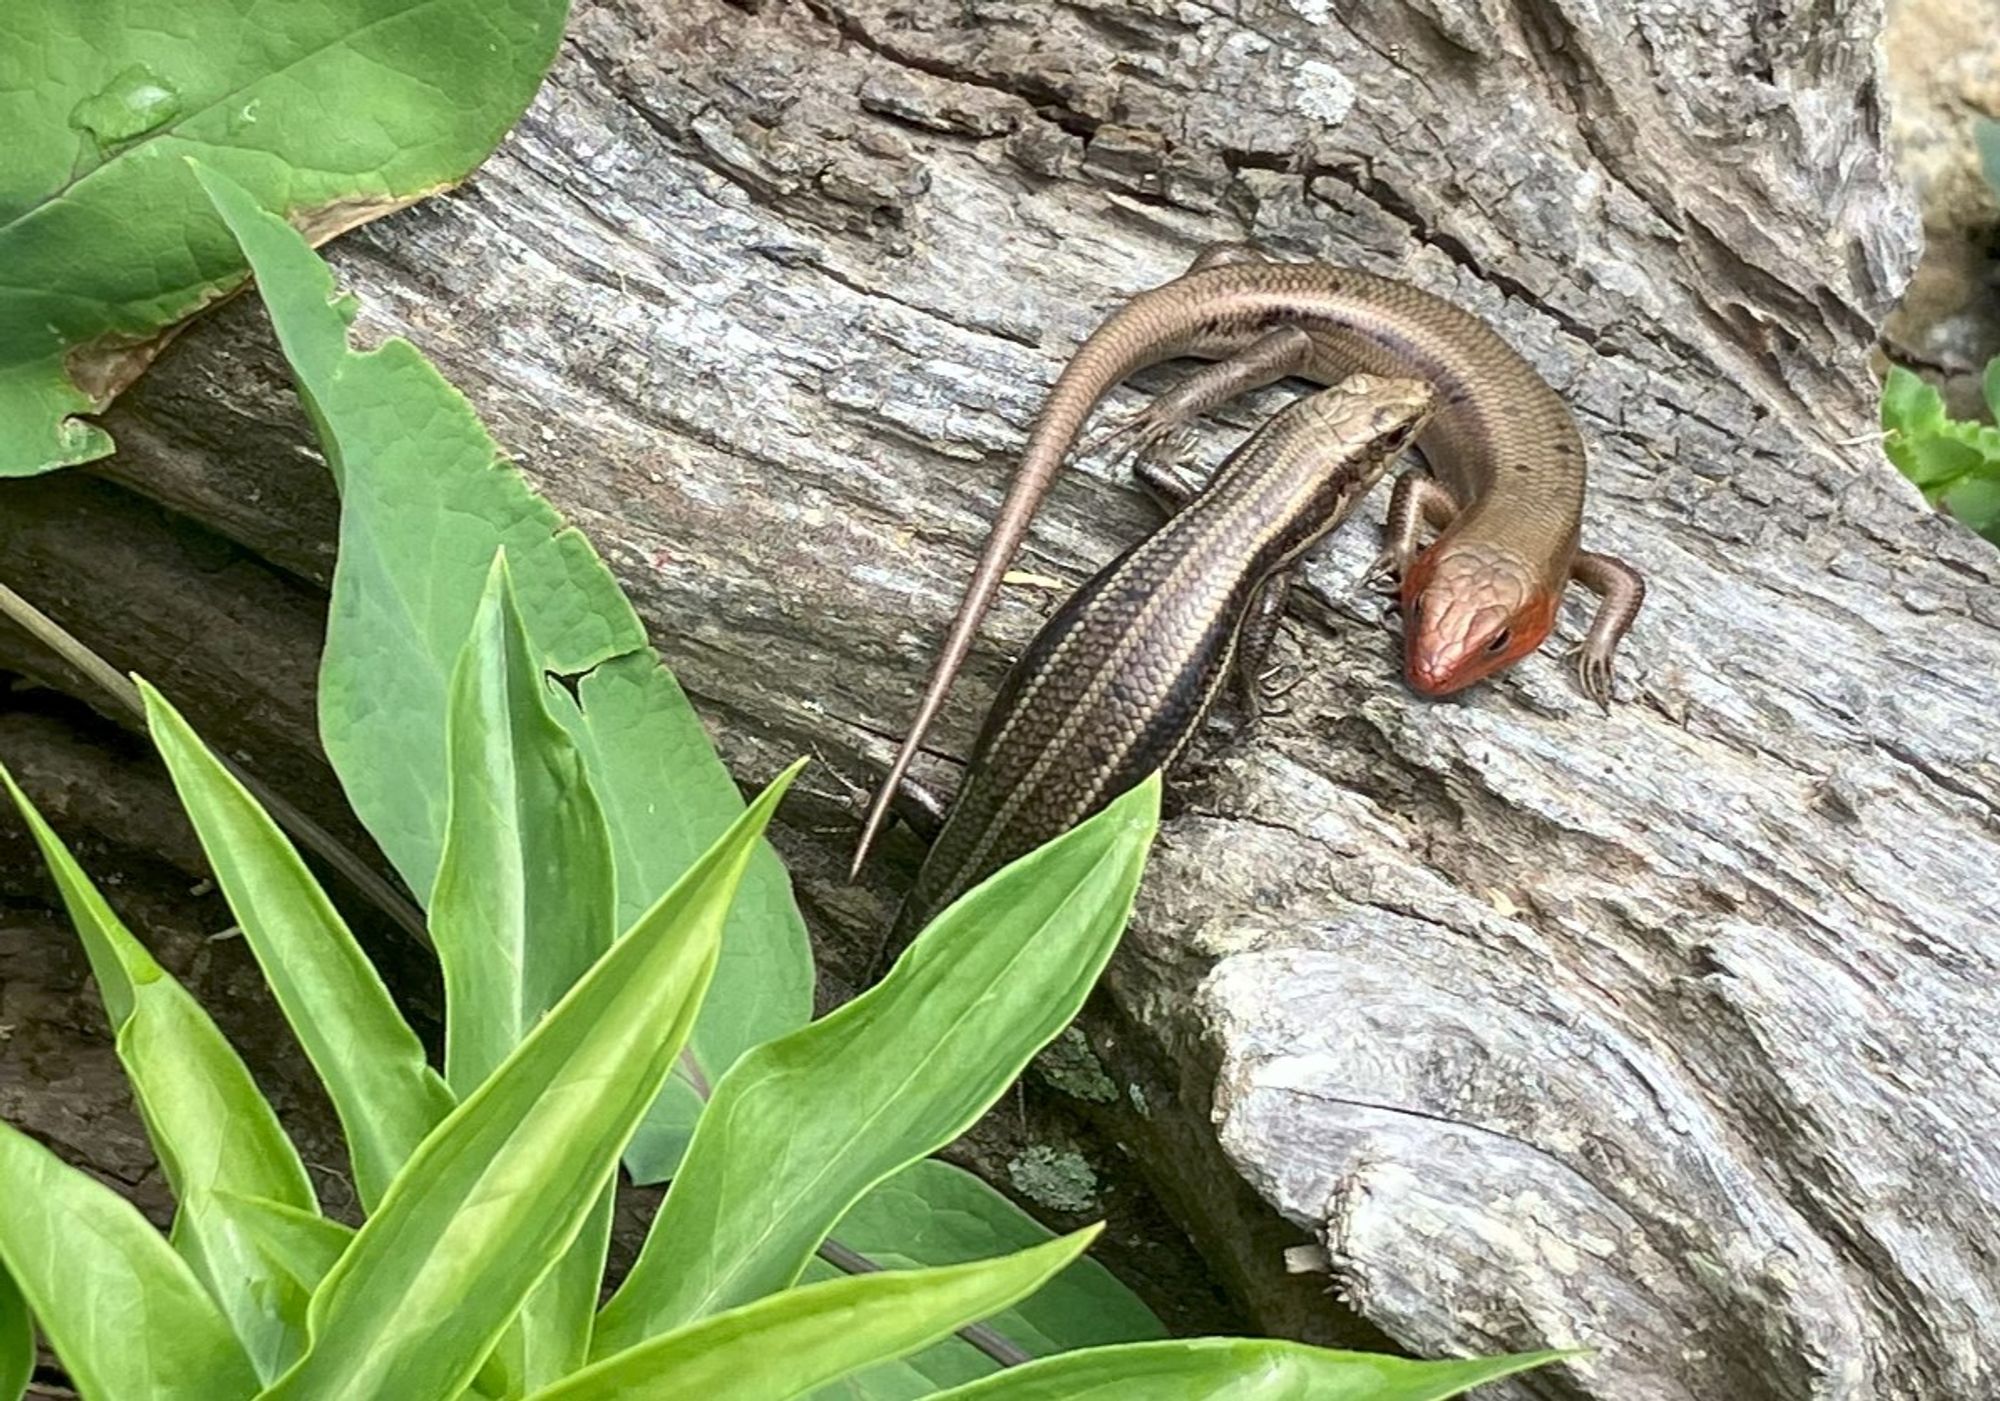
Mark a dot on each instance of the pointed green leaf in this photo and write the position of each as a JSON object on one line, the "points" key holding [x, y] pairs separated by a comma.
{"points": [[262, 1259], [336, 112], [373, 1066], [804, 1125], [17, 1341], [931, 1214], [210, 1125], [653, 768], [426, 500], [126, 1315], [785, 1345], [524, 903], [550, 1338], [1240, 1369], [492, 1200]]}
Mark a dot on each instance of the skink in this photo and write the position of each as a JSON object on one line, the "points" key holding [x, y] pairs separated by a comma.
{"points": [[1506, 479], [1119, 678]]}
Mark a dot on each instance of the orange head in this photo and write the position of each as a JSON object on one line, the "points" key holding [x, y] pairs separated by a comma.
{"points": [[1468, 612]]}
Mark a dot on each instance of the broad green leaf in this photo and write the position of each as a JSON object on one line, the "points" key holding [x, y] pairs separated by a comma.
{"points": [[1935, 461], [524, 903], [335, 112], [426, 501], [126, 1315], [1975, 500], [1909, 404], [785, 1345], [1240, 1369], [804, 1125], [385, 1093], [263, 1259], [931, 1214], [210, 1125], [17, 1341], [491, 1201], [1990, 382]]}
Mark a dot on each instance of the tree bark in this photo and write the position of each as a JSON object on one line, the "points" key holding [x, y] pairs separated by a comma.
{"points": [[1666, 1033]]}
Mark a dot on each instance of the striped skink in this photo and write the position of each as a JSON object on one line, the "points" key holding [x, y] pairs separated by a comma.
{"points": [[1119, 678]]}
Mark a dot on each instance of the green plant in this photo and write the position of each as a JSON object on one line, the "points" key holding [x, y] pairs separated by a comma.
{"points": [[1955, 462], [336, 112], [532, 813]]}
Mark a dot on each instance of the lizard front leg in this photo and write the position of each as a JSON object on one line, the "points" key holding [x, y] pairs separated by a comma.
{"points": [[1266, 360], [1418, 499], [1621, 589]]}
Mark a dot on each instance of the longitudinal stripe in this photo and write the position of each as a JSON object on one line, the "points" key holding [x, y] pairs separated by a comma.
{"points": [[1118, 680]]}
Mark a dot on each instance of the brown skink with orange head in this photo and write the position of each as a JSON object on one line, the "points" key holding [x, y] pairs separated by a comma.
{"points": [[1506, 483]]}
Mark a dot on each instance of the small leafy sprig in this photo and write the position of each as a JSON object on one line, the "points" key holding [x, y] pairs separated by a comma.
{"points": [[1954, 462]]}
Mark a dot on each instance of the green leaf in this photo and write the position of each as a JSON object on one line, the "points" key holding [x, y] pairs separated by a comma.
{"points": [[550, 1338], [426, 501], [524, 902], [17, 1341], [1990, 382], [210, 1125], [804, 1125], [789, 1343], [1936, 460], [385, 1093], [1976, 501], [493, 1199], [666, 795], [932, 1213], [268, 1257], [335, 112], [1909, 404], [1240, 1369], [126, 1315]]}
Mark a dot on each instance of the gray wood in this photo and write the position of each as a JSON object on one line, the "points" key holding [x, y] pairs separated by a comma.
{"points": [[1668, 1033]]}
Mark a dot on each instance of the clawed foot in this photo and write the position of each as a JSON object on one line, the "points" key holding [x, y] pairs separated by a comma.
{"points": [[1385, 575], [1142, 433], [1593, 675], [1276, 683]]}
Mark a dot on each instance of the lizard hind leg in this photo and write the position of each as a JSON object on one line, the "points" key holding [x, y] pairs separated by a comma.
{"points": [[1254, 641]]}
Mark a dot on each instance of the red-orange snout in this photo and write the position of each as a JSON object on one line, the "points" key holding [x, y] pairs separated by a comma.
{"points": [[1467, 616]]}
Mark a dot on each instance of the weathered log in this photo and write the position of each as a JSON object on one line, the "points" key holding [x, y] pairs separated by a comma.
{"points": [[1665, 1032]]}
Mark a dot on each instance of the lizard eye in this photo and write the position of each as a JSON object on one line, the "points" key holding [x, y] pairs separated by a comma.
{"points": [[1498, 643]]}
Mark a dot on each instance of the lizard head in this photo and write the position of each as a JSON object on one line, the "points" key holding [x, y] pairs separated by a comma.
{"points": [[1468, 612]]}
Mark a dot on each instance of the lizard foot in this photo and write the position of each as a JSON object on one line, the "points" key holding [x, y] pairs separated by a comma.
{"points": [[1385, 575], [1593, 675], [1141, 433]]}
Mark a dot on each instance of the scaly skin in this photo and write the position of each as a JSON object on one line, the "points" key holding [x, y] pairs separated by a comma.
{"points": [[1507, 462], [1118, 680]]}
